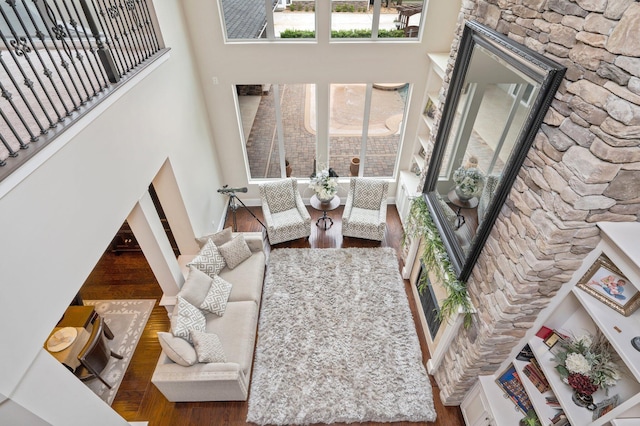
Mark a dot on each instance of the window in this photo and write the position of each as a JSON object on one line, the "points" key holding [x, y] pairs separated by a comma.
{"points": [[280, 127], [296, 19]]}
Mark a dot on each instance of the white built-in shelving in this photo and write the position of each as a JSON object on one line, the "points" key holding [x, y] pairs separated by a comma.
{"points": [[574, 312]]}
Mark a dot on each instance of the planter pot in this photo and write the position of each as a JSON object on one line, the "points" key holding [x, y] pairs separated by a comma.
{"points": [[463, 196], [354, 167], [583, 400], [325, 200]]}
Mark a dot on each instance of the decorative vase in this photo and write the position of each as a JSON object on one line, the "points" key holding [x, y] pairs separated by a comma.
{"points": [[354, 167], [325, 200], [289, 169], [583, 400], [463, 196]]}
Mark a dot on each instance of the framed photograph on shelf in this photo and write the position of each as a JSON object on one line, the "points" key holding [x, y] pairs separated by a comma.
{"points": [[604, 406], [605, 282]]}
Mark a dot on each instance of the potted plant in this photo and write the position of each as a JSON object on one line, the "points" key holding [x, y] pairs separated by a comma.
{"points": [[531, 419], [587, 363]]}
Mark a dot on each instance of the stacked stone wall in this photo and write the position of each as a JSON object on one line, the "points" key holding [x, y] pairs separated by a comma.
{"points": [[583, 167]]}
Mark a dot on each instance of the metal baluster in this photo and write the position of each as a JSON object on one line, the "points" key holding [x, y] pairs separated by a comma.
{"points": [[93, 50], [25, 49], [117, 18], [46, 71], [60, 35], [151, 31], [75, 23], [128, 31], [9, 97], [69, 50], [135, 11], [12, 152], [100, 13], [110, 12], [53, 38], [133, 27], [103, 56]]}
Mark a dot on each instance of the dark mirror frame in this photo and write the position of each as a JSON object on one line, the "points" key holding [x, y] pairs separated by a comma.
{"points": [[544, 71]]}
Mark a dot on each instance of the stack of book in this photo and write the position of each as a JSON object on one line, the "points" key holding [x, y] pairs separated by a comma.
{"points": [[535, 374], [560, 419]]}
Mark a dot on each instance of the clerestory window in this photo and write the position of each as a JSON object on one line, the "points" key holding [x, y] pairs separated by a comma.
{"points": [[297, 19]]}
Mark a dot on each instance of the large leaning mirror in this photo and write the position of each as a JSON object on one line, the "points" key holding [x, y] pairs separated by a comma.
{"points": [[497, 98]]}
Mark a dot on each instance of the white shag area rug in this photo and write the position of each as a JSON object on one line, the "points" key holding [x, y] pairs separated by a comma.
{"points": [[126, 319], [336, 341]]}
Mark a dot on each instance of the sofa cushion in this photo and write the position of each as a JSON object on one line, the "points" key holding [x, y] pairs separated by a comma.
{"points": [[219, 238], [208, 347], [177, 349], [237, 332], [185, 318], [209, 260], [246, 278], [216, 299], [235, 251], [196, 286]]}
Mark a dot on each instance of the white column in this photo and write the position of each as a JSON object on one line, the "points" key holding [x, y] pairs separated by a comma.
{"points": [[149, 232]]}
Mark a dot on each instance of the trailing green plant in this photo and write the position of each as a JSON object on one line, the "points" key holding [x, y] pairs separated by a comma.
{"points": [[342, 34], [434, 257]]}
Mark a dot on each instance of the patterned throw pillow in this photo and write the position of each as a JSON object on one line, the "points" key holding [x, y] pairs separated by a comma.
{"points": [[196, 287], [209, 260], [219, 238], [367, 194], [177, 349], [208, 347], [216, 300], [235, 251], [185, 318]]}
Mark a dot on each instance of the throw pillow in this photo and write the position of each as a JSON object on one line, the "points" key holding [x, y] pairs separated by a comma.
{"points": [[177, 349], [219, 238], [217, 297], [196, 287], [209, 260], [235, 251], [208, 347], [185, 318]]}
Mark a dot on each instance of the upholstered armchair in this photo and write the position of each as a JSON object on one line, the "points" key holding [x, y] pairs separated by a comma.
{"points": [[284, 212], [365, 211]]}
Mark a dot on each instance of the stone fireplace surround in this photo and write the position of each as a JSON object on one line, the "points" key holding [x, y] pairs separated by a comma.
{"points": [[583, 168]]}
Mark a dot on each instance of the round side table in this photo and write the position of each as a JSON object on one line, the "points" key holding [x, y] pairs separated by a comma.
{"points": [[461, 204], [324, 208]]}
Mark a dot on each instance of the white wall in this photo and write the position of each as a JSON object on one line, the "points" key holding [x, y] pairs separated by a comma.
{"points": [[322, 62], [59, 220]]}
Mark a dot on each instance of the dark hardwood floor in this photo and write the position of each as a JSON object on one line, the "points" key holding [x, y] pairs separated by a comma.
{"points": [[128, 275]]}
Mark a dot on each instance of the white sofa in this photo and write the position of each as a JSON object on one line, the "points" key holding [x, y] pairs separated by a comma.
{"points": [[236, 329]]}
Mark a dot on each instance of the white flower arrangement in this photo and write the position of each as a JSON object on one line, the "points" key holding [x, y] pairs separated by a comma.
{"points": [[587, 363], [324, 185], [469, 180]]}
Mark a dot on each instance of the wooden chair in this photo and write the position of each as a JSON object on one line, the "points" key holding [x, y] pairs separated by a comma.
{"points": [[95, 354]]}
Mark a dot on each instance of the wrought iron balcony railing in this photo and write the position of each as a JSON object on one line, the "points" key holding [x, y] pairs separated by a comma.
{"points": [[58, 57]]}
